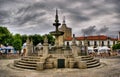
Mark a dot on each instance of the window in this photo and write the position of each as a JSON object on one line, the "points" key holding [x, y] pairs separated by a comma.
{"points": [[113, 42], [108, 43], [102, 43], [68, 43], [95, 44], [80, 43], [88, 43]]}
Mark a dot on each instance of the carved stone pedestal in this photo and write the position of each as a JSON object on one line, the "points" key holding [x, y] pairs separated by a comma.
{"points": [[82, 65], [40, 66]]}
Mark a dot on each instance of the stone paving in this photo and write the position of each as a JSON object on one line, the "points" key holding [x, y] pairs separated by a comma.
{"points": [[110, 67]]}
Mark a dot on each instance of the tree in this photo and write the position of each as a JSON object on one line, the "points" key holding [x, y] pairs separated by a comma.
{"points": [[17, 44], [5, 36], [17, 36], [9, 40], [51, 40], [116, 46], [24, 38], [36, 39]]}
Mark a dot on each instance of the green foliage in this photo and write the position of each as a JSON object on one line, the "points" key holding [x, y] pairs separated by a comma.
{"points": [[116, 46], [17, 44], [9, 40], [17, 36], [4, 30], [24, 38], [5, 36], [40, 39], [36, 39], [17, 40], [50, 39]]}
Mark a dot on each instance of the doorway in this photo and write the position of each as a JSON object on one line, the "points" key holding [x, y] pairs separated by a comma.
{"points": [[61, 63]]}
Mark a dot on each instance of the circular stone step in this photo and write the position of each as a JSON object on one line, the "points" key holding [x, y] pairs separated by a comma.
{"points": [[25, 67], [26, 64], [93, 65]]}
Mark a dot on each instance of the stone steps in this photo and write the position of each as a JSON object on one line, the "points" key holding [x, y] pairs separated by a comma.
{"points": [[24, 66], [94, 62], [30, 62], [87, 58], [32, 57], [91, 62], [29, 59], [93, 65]]}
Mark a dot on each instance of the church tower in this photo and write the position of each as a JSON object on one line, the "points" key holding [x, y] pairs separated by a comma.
{"points": [[67, 32]]}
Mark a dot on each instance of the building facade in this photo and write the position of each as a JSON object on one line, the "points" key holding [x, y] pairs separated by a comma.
{"points": [[67, 32], [93, 41]]}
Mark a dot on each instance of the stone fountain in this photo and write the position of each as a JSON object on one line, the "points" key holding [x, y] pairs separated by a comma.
{"points": [[56, 33], [61, 57]]}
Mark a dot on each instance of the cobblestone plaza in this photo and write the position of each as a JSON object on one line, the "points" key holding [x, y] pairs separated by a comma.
{"points": [[109, 68]]}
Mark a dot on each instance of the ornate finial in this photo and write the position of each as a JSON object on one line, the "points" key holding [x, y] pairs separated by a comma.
{"points": [[63, 19], [56, 17], [45, 40], [56, 11], [31, 41], [56, 24], [28, 40]]}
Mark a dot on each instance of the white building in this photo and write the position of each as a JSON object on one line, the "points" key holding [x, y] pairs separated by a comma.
{"points": [[93, 41]]}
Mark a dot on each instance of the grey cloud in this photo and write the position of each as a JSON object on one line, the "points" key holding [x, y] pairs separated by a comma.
{"points": [[37, 30], [32, 7], [79, 18], [113, 1], [4, 17], [103, 30], [116, 3], [118, 24], [30, 17], [7, 1], [76, 15], [89, 31], [3, 14], [30, 12]]}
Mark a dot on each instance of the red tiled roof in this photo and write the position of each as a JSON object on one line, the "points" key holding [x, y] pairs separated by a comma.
{"points": [[119, 39], [80, 38], [100, 37], [114, 39], [68, 38]]}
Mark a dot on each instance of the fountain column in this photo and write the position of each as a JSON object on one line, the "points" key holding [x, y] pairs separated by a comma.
{"points": [[85, 46], [29, 47], [45, 46], [57, 33], [75, 49]]}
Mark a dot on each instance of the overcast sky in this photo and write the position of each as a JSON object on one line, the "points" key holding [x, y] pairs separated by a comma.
{"points": [[92, 17]]}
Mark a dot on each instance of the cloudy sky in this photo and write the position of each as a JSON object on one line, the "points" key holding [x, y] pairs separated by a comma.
{"points": [[92, 17]]}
